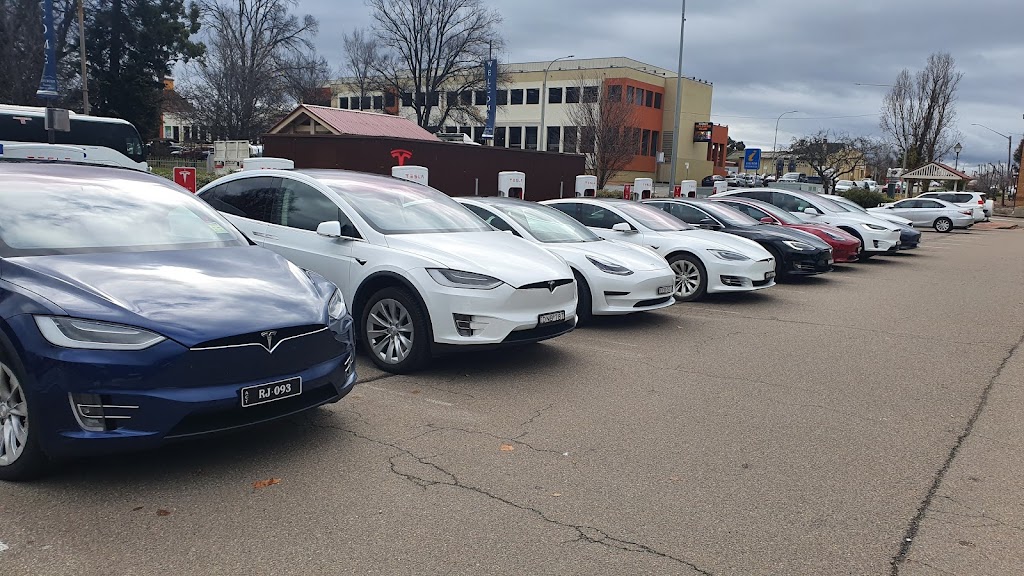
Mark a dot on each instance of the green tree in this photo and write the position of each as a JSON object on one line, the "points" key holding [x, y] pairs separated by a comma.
{"points": [[131, 45]]}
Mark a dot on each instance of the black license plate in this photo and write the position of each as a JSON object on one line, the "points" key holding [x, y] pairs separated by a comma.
{"points": [[769, 275], [271, 391], [551, 317]]}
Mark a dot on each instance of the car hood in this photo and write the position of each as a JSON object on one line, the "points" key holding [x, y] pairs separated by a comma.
{"points": [[631, 256], [884, 214], [508, 258], [810, 227], [768, 232], [190, 296], [857, 217], [713, 240]]}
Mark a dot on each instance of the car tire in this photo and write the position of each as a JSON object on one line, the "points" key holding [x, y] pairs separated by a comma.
{"points": [[584, 300], [28, 461], [780, 267], [400, 340], [691, 282], [942, 224]]}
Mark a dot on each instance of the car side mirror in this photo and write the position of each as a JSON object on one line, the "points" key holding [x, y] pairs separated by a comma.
{"points": [[767, 220], [329, 229], [623, 227], [811, 211], [709, 224]]}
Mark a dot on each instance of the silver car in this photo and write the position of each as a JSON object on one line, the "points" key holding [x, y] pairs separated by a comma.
{"points": [[939, 214]]}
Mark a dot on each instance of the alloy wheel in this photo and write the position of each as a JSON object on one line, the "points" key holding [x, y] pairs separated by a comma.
{"points": [[389, 329], [943, 225], [13, 417], [687, 277]]}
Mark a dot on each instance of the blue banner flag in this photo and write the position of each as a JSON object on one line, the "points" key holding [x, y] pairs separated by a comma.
{"points": [[48, 83], [491, 73]]}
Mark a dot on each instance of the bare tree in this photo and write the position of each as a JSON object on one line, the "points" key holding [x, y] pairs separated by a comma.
{"points": [[830, 154], [307, 77], [21, 49], [362, 61], [608, 137], [240, 88], [879, 156], [919, 112], [432, 47]]}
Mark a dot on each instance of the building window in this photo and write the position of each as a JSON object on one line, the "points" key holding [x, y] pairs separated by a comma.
{"points": [[435, 99], [533, 95], [614, 93], [516, 96], [343, 103], [587, 135], [639, 97], [654, 142], [452, 98], [554, 95], [467, 130], [515, 136], [590, 94], [466, 98], [421, 99], [389, 99], [478, 134], [531, 137], [634, 138], [572, 95], [569, 146], [657, 100], [378, 102], [480, 98], [502, 97], [364, 103], [407, 99], [451, 130], [499, 136], [645, 143], [554, 138], [629, 94], [650, 99]]}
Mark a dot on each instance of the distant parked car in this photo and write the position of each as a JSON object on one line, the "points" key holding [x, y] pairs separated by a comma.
{"points": [[909, 238], [939, 214], [979, 202], [845, 186], [710, 180], [793, 177]]}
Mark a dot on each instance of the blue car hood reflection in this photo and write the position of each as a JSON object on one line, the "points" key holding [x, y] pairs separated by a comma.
{"points": [[191, 296]]}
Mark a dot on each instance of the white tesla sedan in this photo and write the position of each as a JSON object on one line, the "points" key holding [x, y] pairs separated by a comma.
{"points": [[418, 270], [611, 277], [703, 260]]}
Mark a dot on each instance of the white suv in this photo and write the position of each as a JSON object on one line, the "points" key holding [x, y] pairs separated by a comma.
{"points": [[978, 202], [419, 271]]}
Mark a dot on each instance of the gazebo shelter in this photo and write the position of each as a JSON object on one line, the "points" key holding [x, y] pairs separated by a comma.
{"points": [[936, 171]]}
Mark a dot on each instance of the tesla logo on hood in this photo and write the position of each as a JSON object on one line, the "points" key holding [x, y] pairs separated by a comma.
{"points": [[269, 337], [551, 285]]}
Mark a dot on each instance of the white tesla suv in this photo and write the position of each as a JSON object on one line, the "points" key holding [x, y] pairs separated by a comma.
{"points": [[877, 235], [418, 270], [612, 277], [703, 260]]}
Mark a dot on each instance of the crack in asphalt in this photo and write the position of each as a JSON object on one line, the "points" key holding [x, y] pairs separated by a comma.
{"points": [[584, 533], [915, 522], [537, 414]]}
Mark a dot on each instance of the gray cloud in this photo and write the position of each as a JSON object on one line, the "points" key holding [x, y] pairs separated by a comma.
{"points": [[769, 56]]}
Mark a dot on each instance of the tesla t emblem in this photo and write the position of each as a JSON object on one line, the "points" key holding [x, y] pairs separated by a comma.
{"points": [[401, 155], [551, 285], [269, 335]]}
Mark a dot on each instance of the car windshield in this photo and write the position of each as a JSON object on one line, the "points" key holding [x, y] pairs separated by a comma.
{"points": [[404, 208], [729, 215], [850, 205], [547, 224], [779, 214], [653, 218], [43, 216], [829, 204]]}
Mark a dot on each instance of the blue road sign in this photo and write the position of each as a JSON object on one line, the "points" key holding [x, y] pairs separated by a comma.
{"points": [[752, 159]]}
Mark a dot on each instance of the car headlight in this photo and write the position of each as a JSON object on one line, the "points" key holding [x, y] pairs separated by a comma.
{"points": [[461, 279], [93, 335], [610, 267], [728, 255], [798, 245], [873, 226], [336, 307]]}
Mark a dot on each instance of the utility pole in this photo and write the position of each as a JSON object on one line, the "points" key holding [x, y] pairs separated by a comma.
{"points": [[81, 51], [543, 136], [679, 101]]}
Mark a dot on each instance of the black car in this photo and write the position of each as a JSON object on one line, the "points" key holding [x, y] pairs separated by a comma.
{"points": [[795, 252], [909, 237]]}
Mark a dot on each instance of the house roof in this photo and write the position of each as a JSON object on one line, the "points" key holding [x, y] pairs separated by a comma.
{"points": [[935, 171], [354, 122]]}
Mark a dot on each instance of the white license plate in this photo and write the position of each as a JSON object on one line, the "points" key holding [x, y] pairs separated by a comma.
{"points": [[664, 290], [831, 261], [769, 275], [551, 317], [271, 391]]}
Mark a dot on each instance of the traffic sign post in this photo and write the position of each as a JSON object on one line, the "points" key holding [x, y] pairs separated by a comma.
{"points": [[752, 159], [186, 178]]}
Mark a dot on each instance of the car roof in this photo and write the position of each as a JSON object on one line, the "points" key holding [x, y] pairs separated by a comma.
{"points": [[496, 200], [76, 172]]}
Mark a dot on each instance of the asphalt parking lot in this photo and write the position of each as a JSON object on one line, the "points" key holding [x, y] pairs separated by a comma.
{"points": [[863, 422]]}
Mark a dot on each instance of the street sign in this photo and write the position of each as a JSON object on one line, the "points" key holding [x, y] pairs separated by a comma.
{"points": [[752, 159], [186, 178]]}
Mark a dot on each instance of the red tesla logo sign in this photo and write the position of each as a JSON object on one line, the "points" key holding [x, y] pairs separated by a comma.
{"points": [[401, 155], [186, 178]]}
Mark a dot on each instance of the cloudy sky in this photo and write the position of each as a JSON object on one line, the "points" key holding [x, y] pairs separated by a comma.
{"points": [[769, 56]]}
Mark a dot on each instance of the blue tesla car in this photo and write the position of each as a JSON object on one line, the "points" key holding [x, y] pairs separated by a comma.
{"points": [[132, 314]]}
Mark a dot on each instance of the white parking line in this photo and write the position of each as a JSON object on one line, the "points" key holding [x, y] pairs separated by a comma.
{"points": [[4, 547]]}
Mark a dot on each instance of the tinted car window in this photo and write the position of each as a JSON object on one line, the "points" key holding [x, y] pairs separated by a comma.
{"points": [[252, 198], [789, 202], [684, 212], [962, 198], [755, 213], [305, 207], [928, 204], [598, 217], [909, 204], [491, 218], [763, 196]]}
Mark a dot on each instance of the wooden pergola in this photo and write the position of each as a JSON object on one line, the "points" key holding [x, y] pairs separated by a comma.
{"points": [[936, 171]]}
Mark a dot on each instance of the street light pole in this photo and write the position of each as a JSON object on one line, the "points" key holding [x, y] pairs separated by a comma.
{"points": [[679, 102], [543, 136], [85, 65], [775, 142], [957, 149], [1009, 154]]}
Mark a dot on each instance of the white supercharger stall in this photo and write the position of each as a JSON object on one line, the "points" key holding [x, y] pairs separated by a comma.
{"points": [[643, 188], [586, 186], [512, 184], [417, 174], [721, 186], [688, 188], [267, 163]]}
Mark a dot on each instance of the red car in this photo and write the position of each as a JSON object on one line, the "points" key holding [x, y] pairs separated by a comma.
{"points": [[845, 246]]}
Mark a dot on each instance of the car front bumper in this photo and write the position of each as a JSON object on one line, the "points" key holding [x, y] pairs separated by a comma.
{"points": [[807, 263], [909, 239], [879, 242], [634, 293], [739, 276]]}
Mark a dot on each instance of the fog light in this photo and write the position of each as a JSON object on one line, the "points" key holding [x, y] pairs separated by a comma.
{"points": [[732, 280], [96, 413], [464, 324], [876, 243]]}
